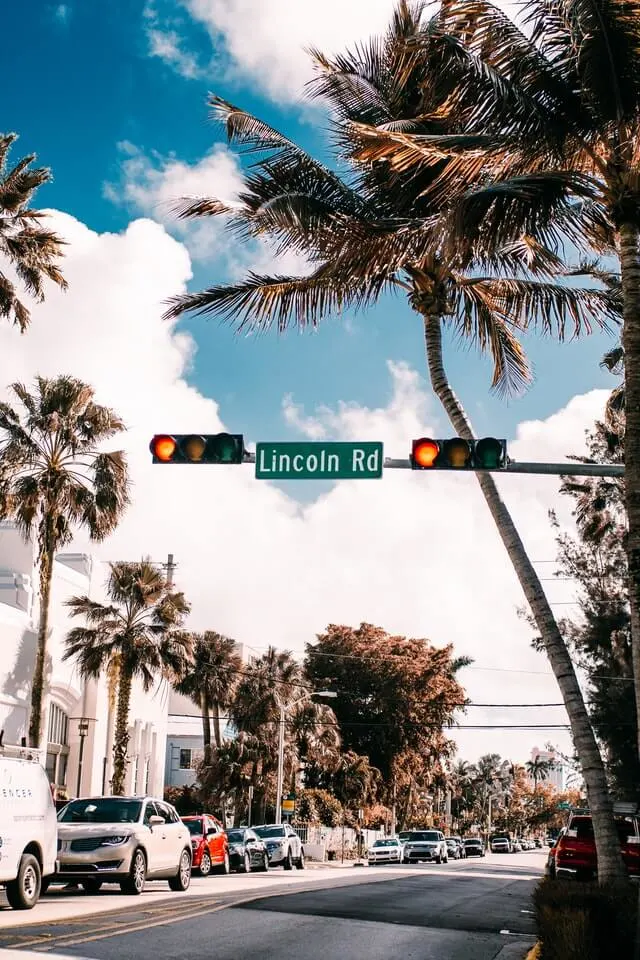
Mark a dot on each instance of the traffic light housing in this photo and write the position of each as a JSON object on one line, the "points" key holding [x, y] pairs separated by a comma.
{"points": [[458, 454], [197, 448]]}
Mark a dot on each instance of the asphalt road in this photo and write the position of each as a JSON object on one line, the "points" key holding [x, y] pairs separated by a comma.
{"points": [[472, 910]]}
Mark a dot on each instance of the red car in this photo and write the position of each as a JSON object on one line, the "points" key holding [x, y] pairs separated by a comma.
{"points": [[209, 844], [575, 852]]}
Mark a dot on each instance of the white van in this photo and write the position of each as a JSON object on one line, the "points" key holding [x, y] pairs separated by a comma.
{"points": [[28, 830]]}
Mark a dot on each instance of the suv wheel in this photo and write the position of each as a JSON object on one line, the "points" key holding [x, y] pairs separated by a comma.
{"points": [[205, 864], [288, 863], [23, 892], [134, 884], [300, 860], [182, 879], [225, 866]]}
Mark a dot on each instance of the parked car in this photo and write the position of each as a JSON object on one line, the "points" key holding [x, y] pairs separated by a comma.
{"points": [[473, 847], [125, 840], [425, 845], [455, 848], [575, 852], [247, 850], [385, 850], [516, 846], [283, 845], [500, 843], [209, 844], [28, 831]]}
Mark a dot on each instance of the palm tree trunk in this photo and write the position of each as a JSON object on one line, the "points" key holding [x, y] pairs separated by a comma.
{"points": [[610, 864], [630, 270], [217, 733], [121, 738], [47, 556], [206, 728]]}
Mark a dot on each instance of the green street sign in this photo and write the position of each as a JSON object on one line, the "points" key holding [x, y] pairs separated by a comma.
{"points": [[319, 461], [563, 805]]}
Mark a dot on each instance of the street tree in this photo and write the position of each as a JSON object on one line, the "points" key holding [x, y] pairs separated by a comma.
{"points": [[142, 628], [30, 249], [55, 478], [396, 697], [210, 679], [382, 228]]}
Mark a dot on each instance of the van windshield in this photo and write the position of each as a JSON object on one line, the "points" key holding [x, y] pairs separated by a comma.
{"points": [[101, 810]]}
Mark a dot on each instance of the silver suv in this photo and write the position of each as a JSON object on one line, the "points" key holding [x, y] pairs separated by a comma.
{"points": [[284, 846], [125, 840]]}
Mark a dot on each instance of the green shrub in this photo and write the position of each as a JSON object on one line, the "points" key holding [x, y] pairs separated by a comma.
{"points": [[584, 921], [319, 806]]}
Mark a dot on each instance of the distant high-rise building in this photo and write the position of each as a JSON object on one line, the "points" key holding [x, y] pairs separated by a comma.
{"points": [[556, 775]]}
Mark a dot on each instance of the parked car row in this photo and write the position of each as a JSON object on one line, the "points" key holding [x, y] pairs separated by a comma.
{"points": [[121, 840], [417, 846]]}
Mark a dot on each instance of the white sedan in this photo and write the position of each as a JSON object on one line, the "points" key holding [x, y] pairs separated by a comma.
{"points": [[387, 850]]}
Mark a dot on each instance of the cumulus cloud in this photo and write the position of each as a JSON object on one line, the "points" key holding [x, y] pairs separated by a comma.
{"points": [[273, 52], [414, 552], [152, 184]]}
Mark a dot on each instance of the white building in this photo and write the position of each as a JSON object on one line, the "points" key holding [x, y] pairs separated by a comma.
{"points": [[557, 773], [185, 741], [72, 705]]}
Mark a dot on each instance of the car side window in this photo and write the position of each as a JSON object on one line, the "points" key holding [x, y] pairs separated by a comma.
{"points": [[150, 811], [212, 827], [164, 811], [173, 815]]}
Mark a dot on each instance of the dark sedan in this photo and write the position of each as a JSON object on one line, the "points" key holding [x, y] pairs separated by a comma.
{"points": [[473, 847], [247, 851]]}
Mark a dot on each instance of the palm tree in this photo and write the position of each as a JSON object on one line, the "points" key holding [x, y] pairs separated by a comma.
{"points": [[381, 230], [54, 478], [210, 680], [538, 769], [141, 628], [32, 251], [314, 740]]}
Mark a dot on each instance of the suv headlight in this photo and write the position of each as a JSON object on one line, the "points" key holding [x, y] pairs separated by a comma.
{"points": [[114, 841]]}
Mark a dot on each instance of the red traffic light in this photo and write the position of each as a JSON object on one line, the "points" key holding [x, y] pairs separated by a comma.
{"points": [[424, 453], [163, 448]]}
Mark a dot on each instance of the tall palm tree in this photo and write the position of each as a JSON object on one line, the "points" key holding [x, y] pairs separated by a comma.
{"points": [[33, 251], [55, 478], [380, 229], [538, 769], [210, 680], [141, 628], [556, 113]]}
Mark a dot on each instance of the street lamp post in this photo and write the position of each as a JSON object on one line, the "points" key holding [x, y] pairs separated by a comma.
{"points": [[283, 709], [83, 730]]}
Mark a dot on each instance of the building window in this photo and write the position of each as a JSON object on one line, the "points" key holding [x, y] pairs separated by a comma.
{"points": [[57, 746], [185, 759]]}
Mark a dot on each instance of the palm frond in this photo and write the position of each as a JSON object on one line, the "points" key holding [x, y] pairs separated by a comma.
{"points": [[262, 302], [478, 322]]}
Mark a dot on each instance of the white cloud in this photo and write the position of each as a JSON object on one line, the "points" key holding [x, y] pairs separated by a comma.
{"points": [[415, 553], [166, 42], [62, 13], [272, 51], [153, 184]]}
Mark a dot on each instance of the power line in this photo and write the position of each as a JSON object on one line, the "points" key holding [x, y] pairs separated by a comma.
{"points": [[409, 723]]}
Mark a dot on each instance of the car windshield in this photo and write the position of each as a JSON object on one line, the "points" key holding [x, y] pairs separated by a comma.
{"points": [[386, 843], [235, 836], [472, 843], [102, 810], [194, 826], [428, 835], [270, 831]]}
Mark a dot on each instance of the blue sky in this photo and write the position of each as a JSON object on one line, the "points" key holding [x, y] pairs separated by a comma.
{"points": [[91, 84]]}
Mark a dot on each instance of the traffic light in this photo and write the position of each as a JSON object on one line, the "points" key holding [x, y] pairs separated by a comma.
{"points": [[197, 448], [458, 454]]}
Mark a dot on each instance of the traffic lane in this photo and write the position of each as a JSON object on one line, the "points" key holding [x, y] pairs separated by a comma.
{"points": [[236, 934], [461, 901]]}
